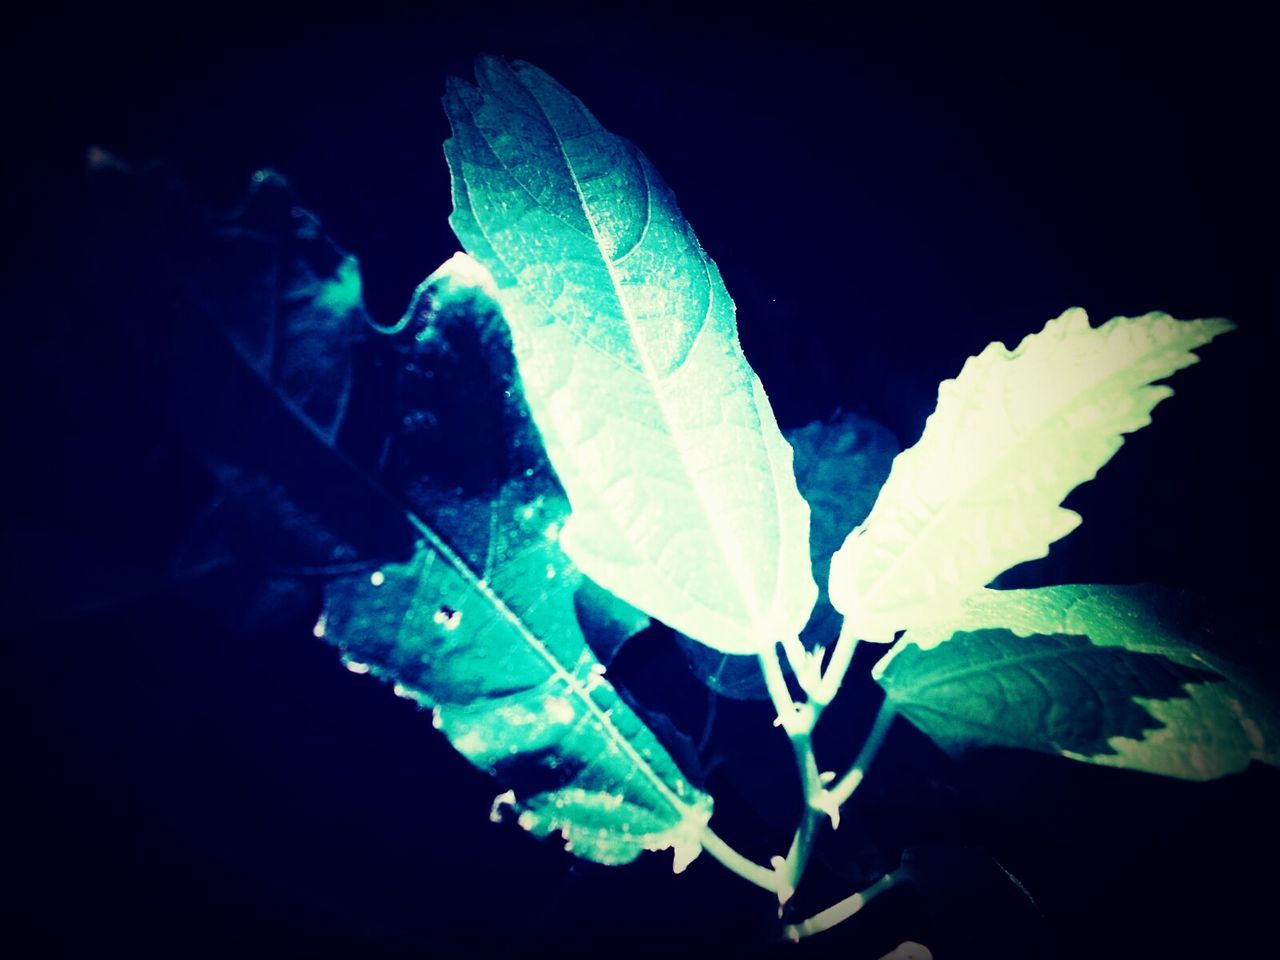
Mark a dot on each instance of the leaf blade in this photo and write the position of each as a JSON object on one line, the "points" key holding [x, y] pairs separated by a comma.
{"points": [[495, 649], [486, 623], [1010, 437], [1216, 721], [684, 501]]}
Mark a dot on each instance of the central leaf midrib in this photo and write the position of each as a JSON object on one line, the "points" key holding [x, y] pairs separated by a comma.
{"points": [[741, 582], [460, 567]]}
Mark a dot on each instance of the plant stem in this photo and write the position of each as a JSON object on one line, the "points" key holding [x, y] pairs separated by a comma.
{"points": [[806, 669], [776, 684], [843, 790], [737, 863], [798, 720], [840, 912], [837, 666]]}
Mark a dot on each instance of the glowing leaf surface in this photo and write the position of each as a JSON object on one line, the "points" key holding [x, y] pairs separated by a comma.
{"points": [[1011, 436], [1109, 675], [684, 501]]}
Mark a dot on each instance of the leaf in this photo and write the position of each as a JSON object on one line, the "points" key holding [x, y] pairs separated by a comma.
{"points": [[284, 295], [456, 422], [491, 642], [1012, 435], [1056, 693], [1118, 676], [483, 624], [840, 465], [684, 502], [246, 328], [460, 430], [196, 290]]}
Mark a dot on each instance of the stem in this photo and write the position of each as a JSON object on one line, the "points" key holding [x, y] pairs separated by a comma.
{"points": [[776, 684], [747, 869], [798, 720], [801, 846], [805, 667], [843, 790], [840, 912], [838, 665]]}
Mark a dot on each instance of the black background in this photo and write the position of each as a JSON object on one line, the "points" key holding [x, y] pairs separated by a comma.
{"points": [[884, 195]]}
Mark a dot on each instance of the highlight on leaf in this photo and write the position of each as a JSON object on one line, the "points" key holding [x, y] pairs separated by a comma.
{"points": [[1011, 436], [684, 501]]}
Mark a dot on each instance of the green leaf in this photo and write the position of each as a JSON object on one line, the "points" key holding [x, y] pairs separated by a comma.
{"points": [[485, 623], [491, 642], [247, 332], [1011, 436], [265, 338], [457, 392], [840, 463], [1119, 676], [684, 501]]}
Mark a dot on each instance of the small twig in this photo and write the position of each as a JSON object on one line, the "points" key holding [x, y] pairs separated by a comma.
{"points": [[843, 790], [776, 684], [840, 912], [837, 667], [798, 719], [805, 666], [747, 869]]}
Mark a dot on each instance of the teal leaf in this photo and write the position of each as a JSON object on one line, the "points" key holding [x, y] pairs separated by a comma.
{"points": [[840, 465], [1056, 693], [491, 643], [1118, 676], [231, 361], [461, 431], [684, 501], [485, 624], [1011, 436]]}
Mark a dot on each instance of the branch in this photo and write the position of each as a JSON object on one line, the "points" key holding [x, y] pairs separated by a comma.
{"points": [[798, 719], [837, 666], [747, 869], [850, 782], [840, 912]]}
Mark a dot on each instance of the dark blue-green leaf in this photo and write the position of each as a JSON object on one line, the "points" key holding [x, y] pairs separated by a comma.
{"points": [[1119, 676]]}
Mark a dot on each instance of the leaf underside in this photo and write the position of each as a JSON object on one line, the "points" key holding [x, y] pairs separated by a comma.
{"points": [[684, 501], [1011, 436]]}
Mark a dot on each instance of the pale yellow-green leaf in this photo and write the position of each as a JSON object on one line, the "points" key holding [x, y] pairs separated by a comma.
{"points": [[1010, 437]]}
